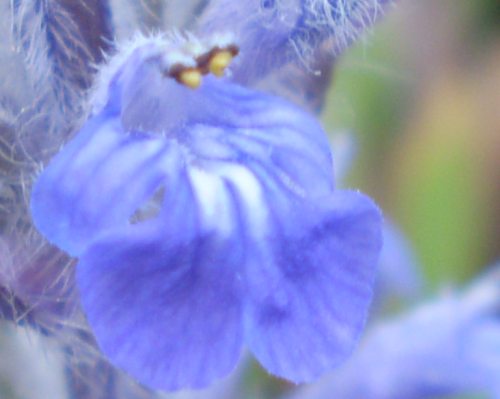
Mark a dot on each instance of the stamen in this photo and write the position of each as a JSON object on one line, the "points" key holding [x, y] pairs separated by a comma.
{"points": [[190, 78], [219, 62], [190, 72]]}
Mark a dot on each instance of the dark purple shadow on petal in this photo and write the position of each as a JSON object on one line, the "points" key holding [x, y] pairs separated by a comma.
{"points": [[309, 295]]}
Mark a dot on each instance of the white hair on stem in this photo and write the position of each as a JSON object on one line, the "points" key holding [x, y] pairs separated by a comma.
{"points": [[339, 21]]}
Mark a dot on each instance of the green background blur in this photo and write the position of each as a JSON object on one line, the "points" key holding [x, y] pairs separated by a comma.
{"points": [[422, 95]]}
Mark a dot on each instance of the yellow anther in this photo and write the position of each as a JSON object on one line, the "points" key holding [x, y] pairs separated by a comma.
{"points": [[190, 78], [219, 62]]}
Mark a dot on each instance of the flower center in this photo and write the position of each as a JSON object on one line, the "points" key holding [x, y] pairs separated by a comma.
{"points": [[214, 61]]}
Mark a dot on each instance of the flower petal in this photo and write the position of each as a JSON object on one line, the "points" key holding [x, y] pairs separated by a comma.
{"points": [[279, 142], [310, 292], [164, 299], [400, 276], [97, 182], [101, 177]]}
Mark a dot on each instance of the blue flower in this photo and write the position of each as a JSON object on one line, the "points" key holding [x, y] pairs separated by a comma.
{"points": [[449, 346], [399, 272], [207, 219]]}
